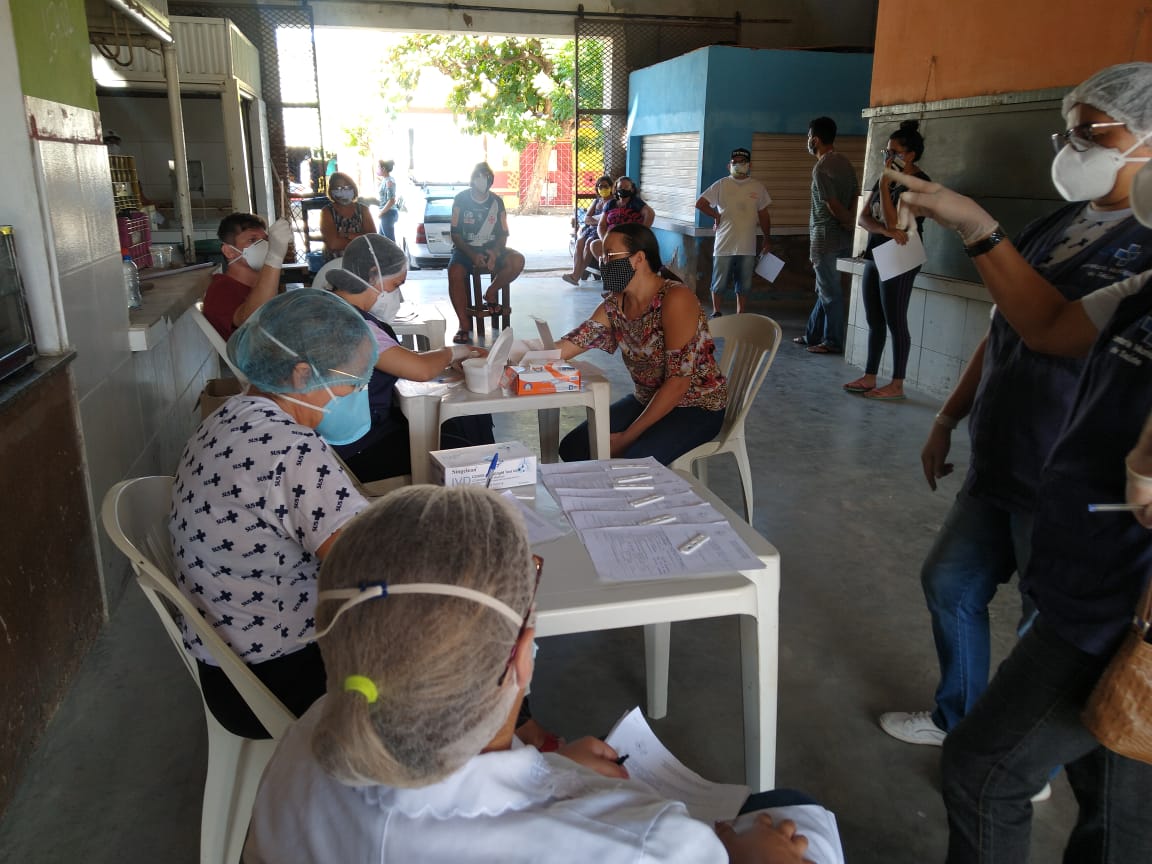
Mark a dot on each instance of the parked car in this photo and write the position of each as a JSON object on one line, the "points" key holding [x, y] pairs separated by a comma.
{"points": [[427, 231]]}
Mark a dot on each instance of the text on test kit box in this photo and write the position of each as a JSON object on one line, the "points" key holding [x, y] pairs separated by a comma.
{"points": [[549, 378], [468, 466]]}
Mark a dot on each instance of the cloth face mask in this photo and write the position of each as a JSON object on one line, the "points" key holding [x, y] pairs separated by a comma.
{"points": [[617, 274]]}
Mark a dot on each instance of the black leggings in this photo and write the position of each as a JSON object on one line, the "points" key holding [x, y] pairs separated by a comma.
{"points": [[297, 680], [886, 307]]}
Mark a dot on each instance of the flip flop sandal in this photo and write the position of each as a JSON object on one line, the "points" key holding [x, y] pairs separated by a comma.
{"points": [[570, 279], [799, 340], [822, 349], [858, 388], [493, 307], [883, 397], [462, 337]]}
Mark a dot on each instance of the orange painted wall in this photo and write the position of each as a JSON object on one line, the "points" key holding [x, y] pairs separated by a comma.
{"points": [[1001, 46]]}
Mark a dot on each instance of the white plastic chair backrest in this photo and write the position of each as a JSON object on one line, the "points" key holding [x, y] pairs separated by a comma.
{"points": [[214, 337], [135, 515], [750, 344]]}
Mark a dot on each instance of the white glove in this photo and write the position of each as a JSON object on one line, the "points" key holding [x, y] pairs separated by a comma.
{"points": [[279, 238], [943, 206]]}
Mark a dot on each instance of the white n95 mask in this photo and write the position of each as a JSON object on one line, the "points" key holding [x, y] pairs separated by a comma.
{"points": [[1091, 174], [387, 305], [1140, 196], [254, 255]]}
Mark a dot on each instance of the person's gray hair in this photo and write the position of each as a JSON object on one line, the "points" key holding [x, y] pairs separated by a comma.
{"points": [[433, 659], [1123, 92], [366, 257], [303, 326]]}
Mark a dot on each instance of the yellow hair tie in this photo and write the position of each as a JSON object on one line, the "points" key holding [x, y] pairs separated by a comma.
{"points": [[363, 685]]}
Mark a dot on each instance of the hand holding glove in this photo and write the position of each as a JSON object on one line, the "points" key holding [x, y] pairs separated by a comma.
{"points": [[943, 206], [279, 238]]}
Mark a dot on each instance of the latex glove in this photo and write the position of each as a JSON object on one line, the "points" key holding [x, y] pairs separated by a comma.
{"points": [[1139, 490], [943, 206], [279, 238], [764, 842]]}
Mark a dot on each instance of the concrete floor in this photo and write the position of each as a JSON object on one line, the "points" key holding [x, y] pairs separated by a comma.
{"points": [[119, 774]]}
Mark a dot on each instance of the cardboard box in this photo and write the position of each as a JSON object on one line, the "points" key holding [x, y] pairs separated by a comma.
{"points": [[216, 392], [550, 378], [468, 466]]}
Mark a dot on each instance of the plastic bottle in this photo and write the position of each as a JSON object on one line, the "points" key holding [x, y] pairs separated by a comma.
{"points": [[131, 282]]}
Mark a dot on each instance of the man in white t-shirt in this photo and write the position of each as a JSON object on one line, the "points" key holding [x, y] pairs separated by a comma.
{"points": [[736, 203]]}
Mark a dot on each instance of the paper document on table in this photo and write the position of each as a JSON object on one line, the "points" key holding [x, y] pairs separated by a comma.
{"points": [[816, 823], [638, 500], [892, 259], [540, 530], [650, 762], [699, 514], [635, 553], [769, 266]]}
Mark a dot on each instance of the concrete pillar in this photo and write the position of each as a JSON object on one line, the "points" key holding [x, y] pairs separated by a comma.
{"points": [[180, 153], [235, 153]]}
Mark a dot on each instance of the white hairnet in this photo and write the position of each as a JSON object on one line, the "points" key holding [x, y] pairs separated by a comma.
{"points": [[307, 326], [433, 660], [1124, 92], [367, 257]]}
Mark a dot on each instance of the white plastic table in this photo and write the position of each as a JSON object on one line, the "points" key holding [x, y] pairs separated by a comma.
{"points": [[429, 323], [572, 599], [428, 404]]}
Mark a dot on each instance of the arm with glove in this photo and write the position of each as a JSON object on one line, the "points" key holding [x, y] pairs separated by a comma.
{"points": [[268, 282]]}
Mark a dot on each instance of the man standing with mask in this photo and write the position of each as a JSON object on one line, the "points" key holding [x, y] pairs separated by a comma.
{"points": [[830, 225], [480, 236], [1017, 399], [736, 203], [253, 258]]}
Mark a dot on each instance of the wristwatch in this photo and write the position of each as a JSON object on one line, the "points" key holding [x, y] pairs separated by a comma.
{"points": [[986, 245]]}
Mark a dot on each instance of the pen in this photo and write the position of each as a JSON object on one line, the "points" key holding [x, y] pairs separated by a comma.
{"points": [[1115, 508], [491, 470], [622, 759]]}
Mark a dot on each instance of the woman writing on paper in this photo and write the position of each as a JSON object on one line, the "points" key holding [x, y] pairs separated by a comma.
{"points": [[662, 333], [886, 302], [410, 755]]}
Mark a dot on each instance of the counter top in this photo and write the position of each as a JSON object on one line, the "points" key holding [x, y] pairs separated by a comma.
{"points": [[171, 294], [18, 383]]}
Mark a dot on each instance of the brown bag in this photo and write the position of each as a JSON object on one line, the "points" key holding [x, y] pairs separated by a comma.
{"points": [[1119, 711]]}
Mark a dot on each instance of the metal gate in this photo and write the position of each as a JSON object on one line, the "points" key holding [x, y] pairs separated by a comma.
{"points": [[607, 51], [284, 36]]}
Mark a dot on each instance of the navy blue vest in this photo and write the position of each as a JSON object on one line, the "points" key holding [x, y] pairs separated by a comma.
{"points": [[1088, 569], [1024, 397], [380, 387]]}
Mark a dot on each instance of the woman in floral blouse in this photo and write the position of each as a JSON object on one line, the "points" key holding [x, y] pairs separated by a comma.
{"points": [[662, 332]]}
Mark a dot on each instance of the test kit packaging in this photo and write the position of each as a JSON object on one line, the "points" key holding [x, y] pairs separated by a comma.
{"points": [[548, 378], [468, 466]]}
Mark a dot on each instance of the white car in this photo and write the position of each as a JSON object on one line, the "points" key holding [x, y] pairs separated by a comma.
{"points": [[427, 235]]}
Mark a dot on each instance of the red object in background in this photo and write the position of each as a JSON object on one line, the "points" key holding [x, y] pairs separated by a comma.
{"points": [[559, 184], [421, 234], [136, 236]]}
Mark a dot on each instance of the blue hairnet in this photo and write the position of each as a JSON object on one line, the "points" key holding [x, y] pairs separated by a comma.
{"points": [[1123, 92], [303, 326], [364, 259]]}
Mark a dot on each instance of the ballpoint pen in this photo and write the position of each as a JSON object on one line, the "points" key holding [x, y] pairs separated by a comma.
{"points": [[491, 470], [1115, 508]]}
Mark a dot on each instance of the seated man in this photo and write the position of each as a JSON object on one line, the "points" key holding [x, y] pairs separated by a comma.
{"points": [[251, 276], [479, 235]]}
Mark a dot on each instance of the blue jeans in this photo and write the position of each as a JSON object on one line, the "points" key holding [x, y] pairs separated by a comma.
{"points": [[978, 549], [388, 224], [1026, 725], [826, 324], [735, 269], [671, 436]]}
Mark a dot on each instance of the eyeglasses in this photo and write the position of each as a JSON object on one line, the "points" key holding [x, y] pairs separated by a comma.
{"points": [[608, 256], [358, 381], [1081, 138], [342, 188], [539, 564]]}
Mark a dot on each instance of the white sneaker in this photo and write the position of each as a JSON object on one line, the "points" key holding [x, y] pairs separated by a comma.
{"points": [[914, 728], [1043, 795]]}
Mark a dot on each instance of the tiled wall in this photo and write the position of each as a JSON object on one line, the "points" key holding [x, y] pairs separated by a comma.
{"points": [[136, 410], [948, 315]]}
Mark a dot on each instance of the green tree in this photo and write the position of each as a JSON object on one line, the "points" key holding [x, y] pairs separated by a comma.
{"points": [[518, 89]]}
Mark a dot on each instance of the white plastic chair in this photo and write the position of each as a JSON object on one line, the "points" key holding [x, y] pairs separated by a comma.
{"points": [[750, 343], [135, 515], [214, 337]]}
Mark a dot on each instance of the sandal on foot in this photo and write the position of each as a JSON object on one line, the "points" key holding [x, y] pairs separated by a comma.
{"points": [[570, 279], [880, 396], [462, 337], [823, 349], [857, 387], [799, 340], [492, 307]]}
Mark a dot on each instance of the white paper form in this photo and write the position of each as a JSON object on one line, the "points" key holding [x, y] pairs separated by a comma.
{"points": [[540, 530], [650, 762], [637, 553], [622, 502], [769, 266], [813, 821], [700, 514], [892, 259]]}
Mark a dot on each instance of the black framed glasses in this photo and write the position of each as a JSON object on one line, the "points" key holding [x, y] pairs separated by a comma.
{"points": [[1081, 137], [538, 562]]}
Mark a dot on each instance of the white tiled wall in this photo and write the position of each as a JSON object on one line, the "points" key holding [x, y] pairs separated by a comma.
{"points": [[947, 320]]}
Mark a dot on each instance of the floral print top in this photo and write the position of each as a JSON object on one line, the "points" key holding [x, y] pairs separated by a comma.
{"points": [[641, 342]]}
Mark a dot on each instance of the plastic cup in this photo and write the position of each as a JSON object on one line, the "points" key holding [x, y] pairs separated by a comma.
{"points": [[476, 375]]}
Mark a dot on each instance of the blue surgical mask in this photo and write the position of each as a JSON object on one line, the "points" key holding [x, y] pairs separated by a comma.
{"points": [[346, 418]]}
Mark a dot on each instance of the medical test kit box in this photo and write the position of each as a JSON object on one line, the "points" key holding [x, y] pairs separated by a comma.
{"points": [[468, 466], [555, 377]]}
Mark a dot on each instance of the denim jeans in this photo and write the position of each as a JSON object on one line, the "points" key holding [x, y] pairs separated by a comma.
{"points": [[1027, 724], [978, 548], [735, 270], [826, 324], [671, 436]]}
